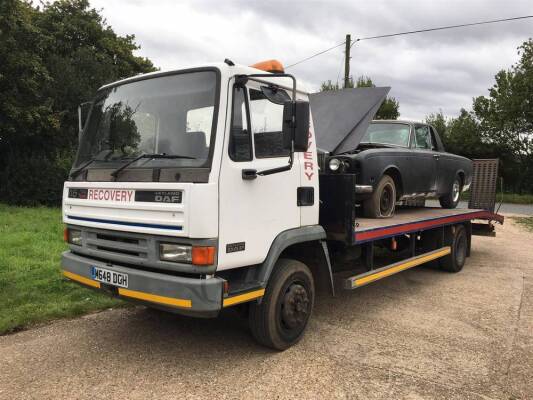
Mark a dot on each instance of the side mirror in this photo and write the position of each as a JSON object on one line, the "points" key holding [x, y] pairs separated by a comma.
{"points": [[83, 112], [296, 125]]}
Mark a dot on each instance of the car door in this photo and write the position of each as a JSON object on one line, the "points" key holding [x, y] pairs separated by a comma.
{"points": [[254, 211], [442, 165], [424, 161]]}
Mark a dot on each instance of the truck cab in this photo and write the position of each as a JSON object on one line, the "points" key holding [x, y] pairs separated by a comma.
{"points": [[185, 191]]}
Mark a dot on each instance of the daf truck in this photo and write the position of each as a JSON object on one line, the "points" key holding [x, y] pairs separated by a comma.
{"points": [[204, 188]]}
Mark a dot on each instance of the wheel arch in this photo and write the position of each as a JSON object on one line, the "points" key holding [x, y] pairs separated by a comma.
{"points": [[462, 175], [305, 244], [394, 172]]}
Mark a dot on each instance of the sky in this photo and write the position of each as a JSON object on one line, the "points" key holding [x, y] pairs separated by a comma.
{"points": [[427, 73]]}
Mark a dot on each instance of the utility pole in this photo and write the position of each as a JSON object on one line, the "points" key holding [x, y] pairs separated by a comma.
{"points": [[347, 61]]}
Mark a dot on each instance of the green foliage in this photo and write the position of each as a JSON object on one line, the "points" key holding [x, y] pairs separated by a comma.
{"points": [[32, 289], [389, 109], [506, 115], [53, 58], [526, 222], [34, 179], [500, 125]]}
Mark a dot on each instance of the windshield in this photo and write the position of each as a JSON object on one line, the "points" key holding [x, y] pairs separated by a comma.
{"points": [[171, 115], [388, 134]]}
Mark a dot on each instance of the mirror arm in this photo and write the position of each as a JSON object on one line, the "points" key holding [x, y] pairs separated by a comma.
{"points": [[253, 77], [80, 124], [79, 118], [287, 167], [242, 79]]}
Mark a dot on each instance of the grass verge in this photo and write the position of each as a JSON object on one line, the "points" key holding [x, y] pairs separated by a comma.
{"points": [[511, 198], [32, 289], [526, 222]]}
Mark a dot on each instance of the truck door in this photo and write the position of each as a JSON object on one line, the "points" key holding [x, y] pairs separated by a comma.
{"points": [[254, 209], [424, 159]]}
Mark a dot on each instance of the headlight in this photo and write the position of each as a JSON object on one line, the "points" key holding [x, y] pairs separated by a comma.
{"points": [[334, 164], [175, 252], [74, 237]]}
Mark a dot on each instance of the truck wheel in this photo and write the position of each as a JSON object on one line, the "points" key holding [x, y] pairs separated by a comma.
{"points": [[451, 199], [383, 200], [455, 261], [281, 317]]}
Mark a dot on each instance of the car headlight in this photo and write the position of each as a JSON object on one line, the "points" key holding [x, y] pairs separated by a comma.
{"points": [[334, 164], [175, 252], [74, 237]]}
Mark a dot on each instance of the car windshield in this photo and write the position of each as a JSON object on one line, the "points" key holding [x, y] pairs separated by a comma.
{"points": [[171, 115], [387, 134]]}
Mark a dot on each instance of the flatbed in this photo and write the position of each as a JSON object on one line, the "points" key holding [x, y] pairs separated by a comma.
{"points": [[414, 236], [408, 220]]}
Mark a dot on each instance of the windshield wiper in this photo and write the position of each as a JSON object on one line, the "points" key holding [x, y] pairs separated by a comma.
{"points": [[80, 169], [116, 172]]}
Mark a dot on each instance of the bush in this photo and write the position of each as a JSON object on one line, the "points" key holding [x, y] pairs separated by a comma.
{"points": [[34, 180]]}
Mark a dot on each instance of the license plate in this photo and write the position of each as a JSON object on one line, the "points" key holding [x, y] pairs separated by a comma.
{"points": [[109, 277]]}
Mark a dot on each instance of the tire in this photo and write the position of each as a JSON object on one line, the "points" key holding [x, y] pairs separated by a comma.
{"points": [[383, 200], [455, 261], [451, 199], [280, 319]]}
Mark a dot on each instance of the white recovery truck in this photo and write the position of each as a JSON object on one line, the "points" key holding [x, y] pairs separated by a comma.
{"points": [[201, 189]]}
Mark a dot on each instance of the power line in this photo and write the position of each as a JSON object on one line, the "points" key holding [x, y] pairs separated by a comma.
{"points": [[441, 28], [410, 33], [316, 55]]}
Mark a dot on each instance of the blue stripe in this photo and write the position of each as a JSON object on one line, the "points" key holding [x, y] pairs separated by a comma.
{"points": [[106, 221]]}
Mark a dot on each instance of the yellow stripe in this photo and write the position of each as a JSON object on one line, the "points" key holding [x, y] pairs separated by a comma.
{"points": [[241, 298], [171, 301], [400, 267], [81, 279]]}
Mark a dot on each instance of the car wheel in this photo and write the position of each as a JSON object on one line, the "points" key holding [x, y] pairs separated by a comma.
{"points": [[451, 199], [280, 319], [383, 200]]}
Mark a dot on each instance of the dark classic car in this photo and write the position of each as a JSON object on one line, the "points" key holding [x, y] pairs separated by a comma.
{"points": [[401, 160]]}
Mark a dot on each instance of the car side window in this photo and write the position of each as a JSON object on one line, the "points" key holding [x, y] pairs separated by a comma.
{"points": [[422, 137], [267, 120], [240, 140]]}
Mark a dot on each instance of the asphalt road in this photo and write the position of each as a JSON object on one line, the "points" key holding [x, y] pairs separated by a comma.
{"points": [[422, 334], [505, 208]]}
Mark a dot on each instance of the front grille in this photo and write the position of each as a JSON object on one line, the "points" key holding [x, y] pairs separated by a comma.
{"points": [[136, 250], [116, 244]]}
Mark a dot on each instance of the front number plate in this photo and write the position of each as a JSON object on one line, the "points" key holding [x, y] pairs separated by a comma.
{"points": [[109, 277]]}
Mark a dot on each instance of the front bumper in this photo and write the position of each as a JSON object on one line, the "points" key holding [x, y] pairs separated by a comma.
{"points": [[182, 295], [363, 189]]}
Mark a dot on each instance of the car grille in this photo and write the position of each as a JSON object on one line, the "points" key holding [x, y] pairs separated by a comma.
{"points": [[321, 161]]}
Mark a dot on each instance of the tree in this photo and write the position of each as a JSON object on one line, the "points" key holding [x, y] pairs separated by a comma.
{"points": [[53, 58], [439, 122], [461, 135], [506, 115], [389, 109]]}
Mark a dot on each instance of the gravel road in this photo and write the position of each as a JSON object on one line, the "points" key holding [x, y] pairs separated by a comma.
{"points": [[422, 334]]}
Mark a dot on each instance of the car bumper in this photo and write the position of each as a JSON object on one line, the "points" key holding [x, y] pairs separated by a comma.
{"points": [[363, 189], [181, 295]]}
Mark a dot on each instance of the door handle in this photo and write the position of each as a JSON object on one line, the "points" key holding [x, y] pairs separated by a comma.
{"points": [[249, 174]]}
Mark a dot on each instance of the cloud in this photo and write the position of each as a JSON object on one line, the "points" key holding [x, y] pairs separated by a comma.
{"points": [[427, 72]]}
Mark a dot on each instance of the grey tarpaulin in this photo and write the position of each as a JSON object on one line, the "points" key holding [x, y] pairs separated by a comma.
{"points": [[341, 117]]}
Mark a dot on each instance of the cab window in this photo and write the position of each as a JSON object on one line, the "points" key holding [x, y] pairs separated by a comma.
{"points": [[267, 120]]}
